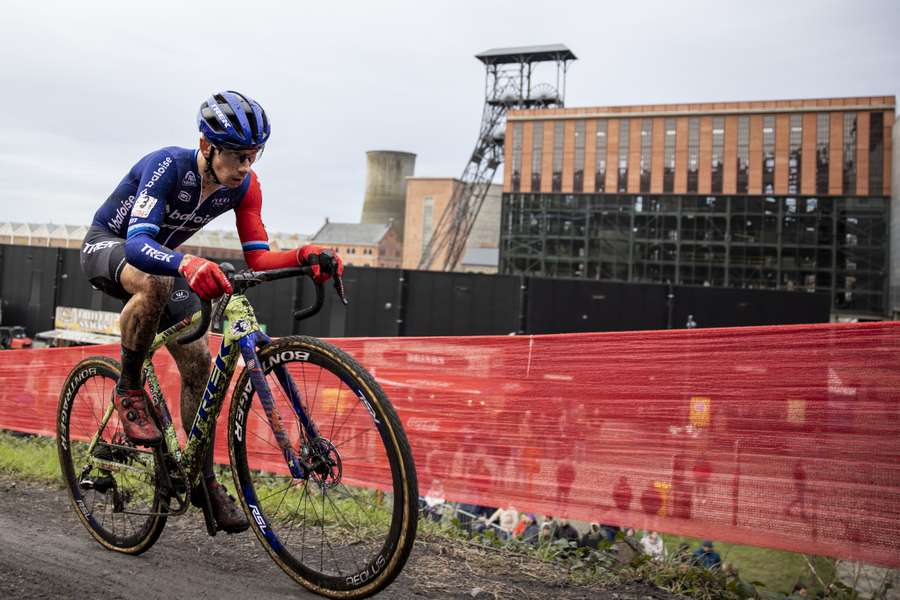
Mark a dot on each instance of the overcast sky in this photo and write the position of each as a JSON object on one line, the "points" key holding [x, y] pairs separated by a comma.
{"points": [[89, 87]]}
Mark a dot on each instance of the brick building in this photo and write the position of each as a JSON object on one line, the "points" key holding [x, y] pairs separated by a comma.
{"points": [[362, 244], [426, 200], [791, 194]]}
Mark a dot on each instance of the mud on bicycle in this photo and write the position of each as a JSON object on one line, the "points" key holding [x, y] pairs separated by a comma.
{"points": [[320, 462]]}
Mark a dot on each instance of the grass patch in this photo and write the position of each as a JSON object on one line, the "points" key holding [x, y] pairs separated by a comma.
{"points": [[30, 457], [778, 570]]}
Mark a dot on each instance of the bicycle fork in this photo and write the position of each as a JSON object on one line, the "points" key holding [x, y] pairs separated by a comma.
{"points": [[248, 346]]}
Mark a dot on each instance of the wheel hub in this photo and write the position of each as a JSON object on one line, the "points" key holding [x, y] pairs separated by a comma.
{"points": [[323, 462]]}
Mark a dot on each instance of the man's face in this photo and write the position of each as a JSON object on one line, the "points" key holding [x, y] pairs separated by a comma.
{"points": [[230, 166]]}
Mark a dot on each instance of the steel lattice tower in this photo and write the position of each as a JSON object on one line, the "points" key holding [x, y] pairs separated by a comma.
{"points": [[509, 84]]}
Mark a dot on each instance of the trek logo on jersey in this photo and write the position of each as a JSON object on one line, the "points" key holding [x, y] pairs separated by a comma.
{"points": [[91, 248], [143, 206], [220, 202], [157, 254], [184, 196], [190, 180]]}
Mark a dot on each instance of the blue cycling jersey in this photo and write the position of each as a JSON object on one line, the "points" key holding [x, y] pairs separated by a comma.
{"points": [[157, 206]]}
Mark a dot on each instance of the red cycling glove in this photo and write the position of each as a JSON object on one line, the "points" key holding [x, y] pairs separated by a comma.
{"points": [[204, 277], [323, 262]]}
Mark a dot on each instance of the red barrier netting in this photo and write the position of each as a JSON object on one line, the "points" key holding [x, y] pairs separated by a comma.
{"points": [[784, 437]]}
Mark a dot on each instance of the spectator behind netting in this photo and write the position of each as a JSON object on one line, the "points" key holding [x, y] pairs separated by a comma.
{"points": [[610, 532], [506, 519], [592, 538], [545, 536], [565, 531], [705, 556], [434, 501], [652, 545], [527, 529]]}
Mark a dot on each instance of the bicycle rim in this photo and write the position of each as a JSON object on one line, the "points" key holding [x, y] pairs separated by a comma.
{"points": [[118, 503], [347, 530]]}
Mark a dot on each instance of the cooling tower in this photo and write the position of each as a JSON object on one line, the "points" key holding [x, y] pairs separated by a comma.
{"points": [[386, 173]]}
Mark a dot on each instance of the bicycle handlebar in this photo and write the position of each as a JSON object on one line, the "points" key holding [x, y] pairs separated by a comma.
{"points": [[242, 280]]}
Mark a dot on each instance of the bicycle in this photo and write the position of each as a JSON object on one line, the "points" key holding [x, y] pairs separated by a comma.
{"points": [[320, 462]]}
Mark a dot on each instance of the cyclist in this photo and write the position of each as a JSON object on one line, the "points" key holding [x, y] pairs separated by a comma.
{"points": [[130, 253]]}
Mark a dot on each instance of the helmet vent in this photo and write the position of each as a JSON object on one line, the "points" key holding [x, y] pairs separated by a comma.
{"points": [[251, 118]]}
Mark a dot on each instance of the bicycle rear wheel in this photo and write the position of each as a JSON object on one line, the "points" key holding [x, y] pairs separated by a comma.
{"points": [[119, 502], [347, 531]]}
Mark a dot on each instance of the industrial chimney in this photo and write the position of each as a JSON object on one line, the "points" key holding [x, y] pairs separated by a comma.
{"points": [[386, 173]]}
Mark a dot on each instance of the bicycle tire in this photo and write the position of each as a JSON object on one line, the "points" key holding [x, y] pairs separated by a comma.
{"points": [[108, 512], [385, 534]]}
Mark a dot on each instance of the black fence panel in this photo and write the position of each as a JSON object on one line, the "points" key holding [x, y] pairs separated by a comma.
{"points": [[572, 305], [461, 304], [28, 286], [75, 289], [732, 307], [375, 297], [388, 302]]}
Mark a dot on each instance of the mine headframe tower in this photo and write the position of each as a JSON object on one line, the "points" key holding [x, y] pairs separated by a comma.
{"points": [[511, 82]]}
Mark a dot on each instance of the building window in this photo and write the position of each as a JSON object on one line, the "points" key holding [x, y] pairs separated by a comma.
{"points": [[427, 221], [849, 153], [743, 155], [557, 156], [693, 153], [623, 155], [876, 153], [796, 151], [718, 153], [768, 157], [600, 179], [537, 156], [578, 184], [517, 157], [669, 157], [823, 131], [646, 153]]}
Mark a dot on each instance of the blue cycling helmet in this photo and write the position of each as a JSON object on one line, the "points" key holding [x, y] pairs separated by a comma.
{"points": [[232, 120]]}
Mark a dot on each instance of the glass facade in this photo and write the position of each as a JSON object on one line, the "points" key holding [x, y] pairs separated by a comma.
{"points": [[646, 153], [804, 243], [578, 179], [622, 184], [669, 157], [557, 156], [537, 156], [693, 153], [516, 157], [743, 155], [849, 153], [823, 130], [718, 153], [768, 156], [795, 154], [601, 148]]}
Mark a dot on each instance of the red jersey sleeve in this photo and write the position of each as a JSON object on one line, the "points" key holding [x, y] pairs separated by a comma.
{"points": [[254, 239]]}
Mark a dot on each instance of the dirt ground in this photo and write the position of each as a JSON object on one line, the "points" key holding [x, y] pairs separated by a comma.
{"points": [[45, 552]]}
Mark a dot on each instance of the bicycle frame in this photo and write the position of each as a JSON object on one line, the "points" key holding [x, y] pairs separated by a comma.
{"points": [[242, 338]]}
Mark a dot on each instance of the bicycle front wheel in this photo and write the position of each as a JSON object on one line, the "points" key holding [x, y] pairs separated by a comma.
{"points": [[347, 530], [112, 484]]}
